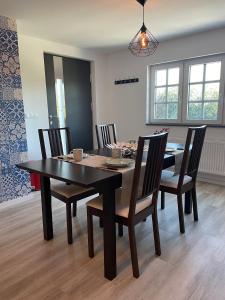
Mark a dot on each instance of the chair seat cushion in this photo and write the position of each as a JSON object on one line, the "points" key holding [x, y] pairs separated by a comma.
{"points": [[122, 203], [68, 190], [168, 179]]}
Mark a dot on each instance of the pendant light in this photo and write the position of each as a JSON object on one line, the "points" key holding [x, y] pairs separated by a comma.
{"points": [[144, 43]]}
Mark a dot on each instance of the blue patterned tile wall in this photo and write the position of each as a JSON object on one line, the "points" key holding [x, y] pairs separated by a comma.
{"points": [[13, 144]]}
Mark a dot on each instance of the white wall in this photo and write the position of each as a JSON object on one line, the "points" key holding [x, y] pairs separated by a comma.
{"points": [[31, 52], [127, 103]]}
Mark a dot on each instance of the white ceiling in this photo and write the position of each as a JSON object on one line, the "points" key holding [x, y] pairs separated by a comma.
{"points": [[107, 24]]}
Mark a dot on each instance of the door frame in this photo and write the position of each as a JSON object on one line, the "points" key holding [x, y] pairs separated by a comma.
{"points": [[93, 89]]}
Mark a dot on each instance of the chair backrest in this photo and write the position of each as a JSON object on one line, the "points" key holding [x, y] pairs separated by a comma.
{"points": [[191, 159], [106, 134], [55, 141], [151, 170]]}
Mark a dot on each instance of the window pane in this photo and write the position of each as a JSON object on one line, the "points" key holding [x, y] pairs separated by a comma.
{"points": [[172, 110], [160, 111], [210, 110], [213, 71], [172, 94], [160, 94], [195, 111], [196, 73], [173, 76], [212, 91], [161, 77], [195, 92]]}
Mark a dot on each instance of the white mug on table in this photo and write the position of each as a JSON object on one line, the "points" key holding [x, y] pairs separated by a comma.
{"points": [[77, 154]]}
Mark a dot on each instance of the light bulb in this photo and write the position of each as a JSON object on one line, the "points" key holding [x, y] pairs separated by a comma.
{"points": [[143, 40]]}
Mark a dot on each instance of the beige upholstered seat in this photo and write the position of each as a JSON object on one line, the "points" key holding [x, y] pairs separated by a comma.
{"points": [[170, 180], [122, 203], [66, 190]]}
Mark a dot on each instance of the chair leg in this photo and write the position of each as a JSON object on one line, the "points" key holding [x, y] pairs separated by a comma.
{"points": [[90, 234], [195, 205], [120, 229], [101, 222], [133, 250], [155, 226], [74, 209], [162, 200], [181, 213], [69, 223]]}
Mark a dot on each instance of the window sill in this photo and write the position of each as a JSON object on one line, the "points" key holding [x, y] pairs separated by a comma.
{"points": [[163, 124]]}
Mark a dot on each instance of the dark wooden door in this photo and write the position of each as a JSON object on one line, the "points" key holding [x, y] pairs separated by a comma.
{"points": [[78, 102], [77, 86]]}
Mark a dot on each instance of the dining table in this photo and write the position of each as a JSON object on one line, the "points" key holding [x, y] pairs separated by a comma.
{"points": [[105, 181]]}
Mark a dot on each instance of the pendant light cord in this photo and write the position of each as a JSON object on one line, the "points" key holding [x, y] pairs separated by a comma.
{"points": [[143, 14]]}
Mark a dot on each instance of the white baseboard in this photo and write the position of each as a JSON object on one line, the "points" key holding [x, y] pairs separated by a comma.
{"points": [[211, 178]]}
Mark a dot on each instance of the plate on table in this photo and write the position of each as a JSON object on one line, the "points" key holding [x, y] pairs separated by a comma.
{"points": [[170, 150], [119, 162]]}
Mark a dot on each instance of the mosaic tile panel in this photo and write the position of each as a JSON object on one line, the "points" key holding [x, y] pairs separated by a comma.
{"points": [[13, 144]]}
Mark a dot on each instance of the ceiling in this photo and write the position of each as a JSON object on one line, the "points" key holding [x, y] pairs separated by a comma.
{"points": [[108, 24]]}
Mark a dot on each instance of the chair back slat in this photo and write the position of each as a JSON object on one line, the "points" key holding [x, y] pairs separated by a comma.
{"points": [[55, 141], [196, 151], [191, 159], [151, 171], [59, 141], [106, 134]]}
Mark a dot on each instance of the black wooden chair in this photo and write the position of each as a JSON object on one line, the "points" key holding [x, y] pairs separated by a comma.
{"points": [[143, 196], [68, 193], [186, 180], [106, 134]]}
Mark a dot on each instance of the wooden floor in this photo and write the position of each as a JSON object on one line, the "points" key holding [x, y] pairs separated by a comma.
{"points": [[192, 266]]}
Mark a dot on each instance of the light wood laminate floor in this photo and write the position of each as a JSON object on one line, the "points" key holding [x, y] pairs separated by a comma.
{"points": [[192, 266]]}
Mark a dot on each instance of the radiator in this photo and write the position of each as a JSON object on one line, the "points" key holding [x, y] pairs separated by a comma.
{"points": [[213, 157]]}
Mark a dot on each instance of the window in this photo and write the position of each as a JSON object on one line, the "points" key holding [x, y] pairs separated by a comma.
{"points": [[61, 109], [60, 102], [189, 91], [166, 93]]}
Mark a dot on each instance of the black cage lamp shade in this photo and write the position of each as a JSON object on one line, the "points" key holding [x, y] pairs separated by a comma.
{"points": [[144, 43]]}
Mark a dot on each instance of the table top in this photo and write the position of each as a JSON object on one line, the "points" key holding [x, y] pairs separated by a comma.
{"points": [[80, 174], [71, 173]]}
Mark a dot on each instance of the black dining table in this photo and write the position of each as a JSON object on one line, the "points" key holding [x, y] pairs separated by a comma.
{"points": [[104, 181]]}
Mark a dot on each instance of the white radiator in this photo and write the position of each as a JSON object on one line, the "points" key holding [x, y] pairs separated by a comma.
{"points": [[213, 157]]}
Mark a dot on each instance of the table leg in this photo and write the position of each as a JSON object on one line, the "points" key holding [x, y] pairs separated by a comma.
{"points": [[109, 229], [188, 203], [46, 208]]}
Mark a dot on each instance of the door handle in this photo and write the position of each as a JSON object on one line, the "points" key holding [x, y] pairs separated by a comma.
{"points": [[51, 117]]}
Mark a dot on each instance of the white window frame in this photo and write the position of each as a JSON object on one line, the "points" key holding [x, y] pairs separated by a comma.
{"points": [[197, 61], [183, 91], [152, 73]]}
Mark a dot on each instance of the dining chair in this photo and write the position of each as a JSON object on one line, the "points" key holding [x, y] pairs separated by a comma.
{"points": [[186, 179], [134, 206], [60, 143], [106, 134]]}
